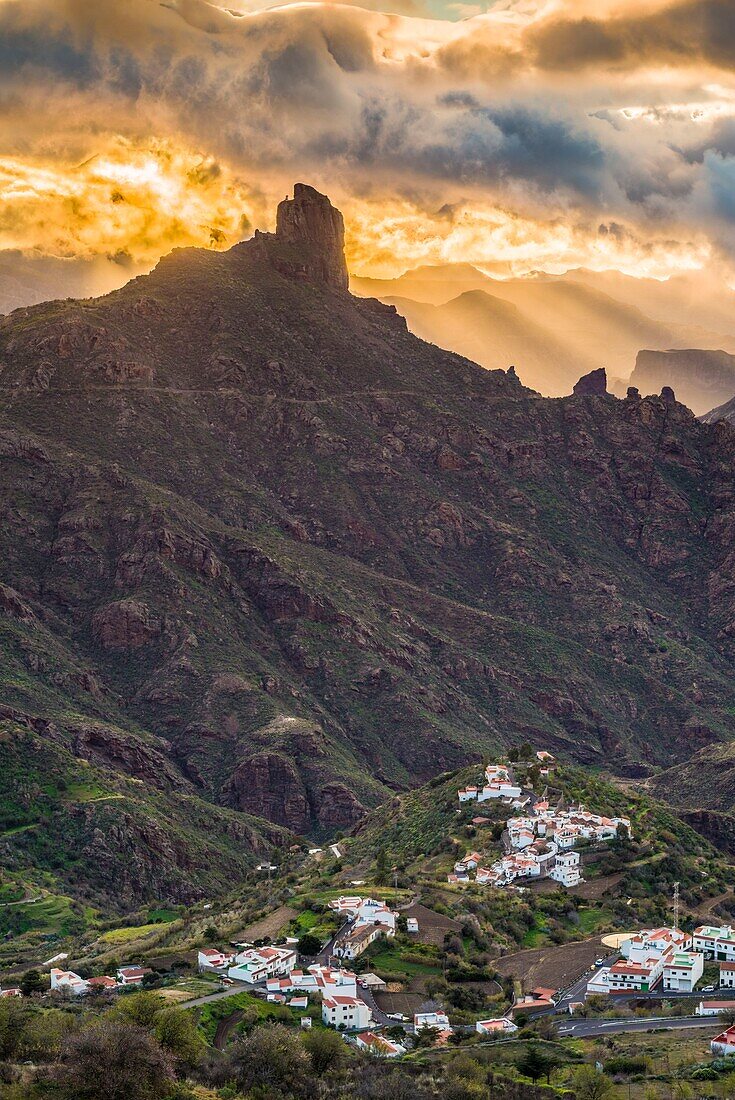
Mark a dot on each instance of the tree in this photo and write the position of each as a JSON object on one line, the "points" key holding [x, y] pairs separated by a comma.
{"points": [[44, 1033], [589, 1084], [177, 1032], [534, 1063], [32, 982], [426, 1036], [140, 1008], [309, 944], [325, 1049], [546, 1028], [114, 1060], [13, 1015], [271, 1058]]}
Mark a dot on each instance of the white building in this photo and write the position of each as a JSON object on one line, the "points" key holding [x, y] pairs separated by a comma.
{"points": [[502, 1026], [345, 1013], [655, 941], [259, 964], [566, 869], [412, 925], [379, 1045], [714, 1008], [317, 979], [210, 958], [132, 975], [635, 976], [67, 980], [724, 1043], [431, 1018], [599, 982], [467, 794], [716, 942], [727, 975], [682, 970]]}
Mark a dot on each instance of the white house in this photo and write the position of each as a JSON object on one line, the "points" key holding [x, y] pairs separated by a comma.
{"points": [[715, 942], [11, 991], [68, 980], [210, 958], [259, 964], [412, 925], [317, 979], [104, 983], [636, 976], [655, 941], [379, 1045], [467, 794], [724, 1043], [345, 1013], [132, 975], [727, 975], [599, 982], [714, 1008], [431, 1018], [358, 940], [566, 869], [682, 970], [502, 1026], [366, 911]]}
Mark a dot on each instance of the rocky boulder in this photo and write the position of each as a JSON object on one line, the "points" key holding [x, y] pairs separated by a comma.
{"points": [[593, 384]]}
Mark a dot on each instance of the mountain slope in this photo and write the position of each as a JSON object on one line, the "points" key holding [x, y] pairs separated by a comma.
{"points": [[721, 412], [255, 527], [581, 325], [497, 334]]}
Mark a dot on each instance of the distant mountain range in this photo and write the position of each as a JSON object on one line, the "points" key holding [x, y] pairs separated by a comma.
{"points": [[267, 558], [551, 328]]}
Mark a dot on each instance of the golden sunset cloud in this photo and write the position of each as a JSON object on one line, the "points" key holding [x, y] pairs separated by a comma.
{"points": [[533, 134]]}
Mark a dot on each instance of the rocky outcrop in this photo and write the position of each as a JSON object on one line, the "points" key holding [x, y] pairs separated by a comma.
{"points": [[125, 625], [337, 807], [702, 379], [312, 235], [105, 744], [593, 384], [269, 785]]}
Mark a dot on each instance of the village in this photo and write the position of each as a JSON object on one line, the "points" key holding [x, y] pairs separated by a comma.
{"points": [[539, 840], [334, 984], [647, 964]]}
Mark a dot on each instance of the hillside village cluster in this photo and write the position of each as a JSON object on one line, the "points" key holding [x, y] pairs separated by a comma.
{"points": [[540, 841]]}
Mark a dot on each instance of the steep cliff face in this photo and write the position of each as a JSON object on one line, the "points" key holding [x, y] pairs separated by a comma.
{"points": [[702, 379], [312, 227], [310, 560]]}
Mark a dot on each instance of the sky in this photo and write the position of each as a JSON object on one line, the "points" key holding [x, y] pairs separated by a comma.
{"points": [[521, 135]]}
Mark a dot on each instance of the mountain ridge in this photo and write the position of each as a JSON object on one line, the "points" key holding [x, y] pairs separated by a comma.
{"points": [[263, 539]]}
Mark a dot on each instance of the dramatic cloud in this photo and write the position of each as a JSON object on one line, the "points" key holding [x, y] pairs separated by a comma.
{"points": [[539, 133]]}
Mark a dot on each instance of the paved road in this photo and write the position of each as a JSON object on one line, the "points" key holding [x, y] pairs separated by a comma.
{"points": [[379, 1016], [326, 952], [666, 1023], [578, 989], [238, 987]]}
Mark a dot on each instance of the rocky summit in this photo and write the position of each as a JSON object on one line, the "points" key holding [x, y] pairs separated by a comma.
{"points": [[268, 558]]}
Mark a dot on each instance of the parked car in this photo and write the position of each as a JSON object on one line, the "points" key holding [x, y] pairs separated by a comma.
{"points": [[599, 962], [708, 988]]}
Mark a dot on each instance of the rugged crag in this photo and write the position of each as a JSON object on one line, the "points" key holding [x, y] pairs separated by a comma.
{"points": [[266, 553], [702, 379]]}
